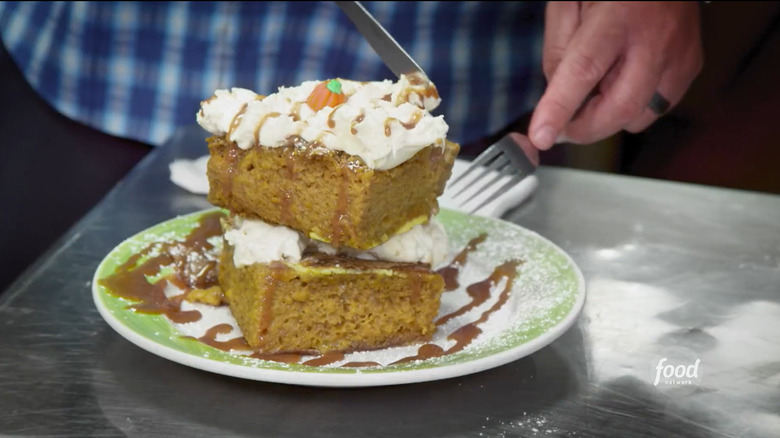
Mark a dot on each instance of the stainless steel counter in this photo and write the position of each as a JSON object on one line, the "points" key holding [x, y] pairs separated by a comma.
{"points": [[676, 274]]}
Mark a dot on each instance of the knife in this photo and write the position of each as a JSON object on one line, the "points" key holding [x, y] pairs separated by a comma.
{"points": [[393, 55]]}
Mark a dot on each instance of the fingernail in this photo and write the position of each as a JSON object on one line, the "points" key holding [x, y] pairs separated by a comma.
{"points": [[544, 137], [562, 139]]}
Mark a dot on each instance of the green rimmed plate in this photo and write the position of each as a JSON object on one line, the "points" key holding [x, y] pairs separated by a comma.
{"points": [[545, 300]]}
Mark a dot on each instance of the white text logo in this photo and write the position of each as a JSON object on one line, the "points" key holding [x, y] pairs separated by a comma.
{"points": [[676, 374]]}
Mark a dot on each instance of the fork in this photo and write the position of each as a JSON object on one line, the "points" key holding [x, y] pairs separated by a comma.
{"points": [[499, 167]]}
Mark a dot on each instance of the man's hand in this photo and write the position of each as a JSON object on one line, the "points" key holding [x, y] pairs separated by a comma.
{"points": [[605, 60]]}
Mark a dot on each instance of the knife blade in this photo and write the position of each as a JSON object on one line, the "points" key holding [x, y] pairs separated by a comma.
{"points": [[393, 55]]}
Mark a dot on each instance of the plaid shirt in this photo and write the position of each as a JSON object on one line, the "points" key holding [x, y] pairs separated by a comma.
{"points": [[140, 69]]}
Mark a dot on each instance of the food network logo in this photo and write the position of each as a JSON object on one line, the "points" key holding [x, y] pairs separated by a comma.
{"points": [[676, 374]]}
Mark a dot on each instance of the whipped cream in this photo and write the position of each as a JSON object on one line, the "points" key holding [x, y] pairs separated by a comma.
{"points": [[425, 243], [384, 123], [255, 241]]}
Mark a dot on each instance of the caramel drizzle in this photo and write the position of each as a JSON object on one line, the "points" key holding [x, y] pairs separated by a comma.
{"points": [[507, 270], [231, 156], [285, 205], [236, 120], [413, 121], [479, 292], [326, 359], [428, 92], [129, 281], [431, 92], [411, 124], [464, 335], [416, 278], [210, 338], [232, 153], [296, 112], [286, 195], [331, 122], [416, 79], [353, 126], [342, 204], [278, 357], [272, 282], [259, 125], [426, 351], [451, 271]]}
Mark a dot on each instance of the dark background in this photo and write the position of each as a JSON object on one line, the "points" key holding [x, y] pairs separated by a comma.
{"points": [[724, 133]]}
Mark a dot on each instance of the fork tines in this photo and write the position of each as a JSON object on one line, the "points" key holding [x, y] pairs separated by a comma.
{"points": [[503, 162]]}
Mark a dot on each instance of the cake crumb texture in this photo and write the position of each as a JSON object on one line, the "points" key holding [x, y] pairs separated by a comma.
{"points": [[323, 305], [328, 195]]}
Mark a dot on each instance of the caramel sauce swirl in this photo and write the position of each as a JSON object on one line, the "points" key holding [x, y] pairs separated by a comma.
{"points": [[451, 271], [210, 338], [129, 281]]}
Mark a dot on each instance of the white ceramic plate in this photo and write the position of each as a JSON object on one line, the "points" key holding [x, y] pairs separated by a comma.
{"points": [[544, 301]]}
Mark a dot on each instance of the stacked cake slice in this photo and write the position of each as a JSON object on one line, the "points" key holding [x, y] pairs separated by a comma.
{"points": [[332, 190]]}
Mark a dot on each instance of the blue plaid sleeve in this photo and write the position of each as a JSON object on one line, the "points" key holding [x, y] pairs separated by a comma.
{"points": [[140, 69]]}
